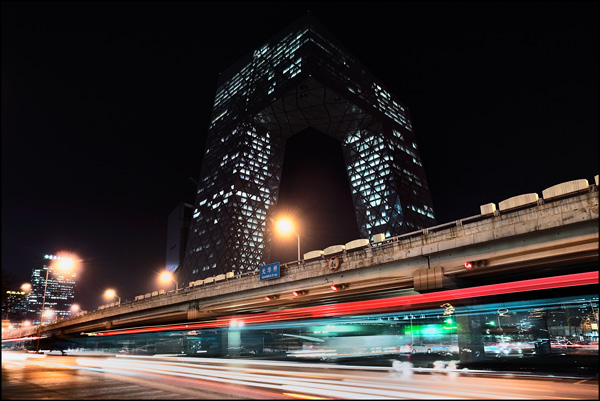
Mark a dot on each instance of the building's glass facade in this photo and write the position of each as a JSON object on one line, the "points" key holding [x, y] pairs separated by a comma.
{"points": [[302, 78], [60, 291]]}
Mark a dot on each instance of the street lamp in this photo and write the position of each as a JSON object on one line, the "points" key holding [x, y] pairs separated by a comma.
{"points": [[285, 226], [111, 294], [24, 323], [64, 263], [48, 313], [167, 276]]}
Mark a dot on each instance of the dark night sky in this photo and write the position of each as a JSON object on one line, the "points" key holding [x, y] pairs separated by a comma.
{"points": [[105, 106]]}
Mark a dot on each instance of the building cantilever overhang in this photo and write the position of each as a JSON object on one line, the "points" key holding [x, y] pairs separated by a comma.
{"points": [[302, 78]]}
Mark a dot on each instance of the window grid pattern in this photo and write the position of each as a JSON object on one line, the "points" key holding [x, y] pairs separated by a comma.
{"points": [[60, 293], [233, 202], [302, 78]]}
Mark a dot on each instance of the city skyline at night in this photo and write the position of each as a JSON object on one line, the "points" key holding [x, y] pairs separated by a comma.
{"points": [[105, 106]]}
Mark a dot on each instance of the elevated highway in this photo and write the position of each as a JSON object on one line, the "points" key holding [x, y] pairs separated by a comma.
{"points": [[526, 238]]}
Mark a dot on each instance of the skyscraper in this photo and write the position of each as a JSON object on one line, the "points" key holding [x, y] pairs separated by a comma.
{"points": [[16, 306], [59, 290], [302, 78]]}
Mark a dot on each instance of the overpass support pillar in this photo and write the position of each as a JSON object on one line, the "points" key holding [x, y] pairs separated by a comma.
{"points": [[539, 326], [433, 279], [425, 279], [470, 344], [232, 341]]}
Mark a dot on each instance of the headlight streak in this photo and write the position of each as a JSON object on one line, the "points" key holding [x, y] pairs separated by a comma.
{"points": [[415, 389], [336, 381], [281, 373], [224, 373], [13, 356], [37, 359], [305, 397], [173, 369], [319, 387], [322, 385]]}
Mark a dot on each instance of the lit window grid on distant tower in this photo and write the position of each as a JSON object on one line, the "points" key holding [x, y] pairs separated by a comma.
{"points": [[16, 307], [60, 293], [302, 78]]}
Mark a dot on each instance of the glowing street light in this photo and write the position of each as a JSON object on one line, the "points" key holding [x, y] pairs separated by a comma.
{"points": [[74, 309], [110, 293], [285, 226], [25, 323], [167, 276]]}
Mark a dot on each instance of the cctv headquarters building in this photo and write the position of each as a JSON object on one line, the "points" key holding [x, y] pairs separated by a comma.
{"points": [[303, 78]]}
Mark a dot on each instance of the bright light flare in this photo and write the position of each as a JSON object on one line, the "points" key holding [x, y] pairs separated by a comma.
{"points": [[64, 262], [13, 356], [165, 277], [284, 226], [110, 293], [26, 287]]}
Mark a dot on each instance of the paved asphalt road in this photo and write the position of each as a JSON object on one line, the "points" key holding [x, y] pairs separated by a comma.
{"points": [[51, 378], [30, 376]]}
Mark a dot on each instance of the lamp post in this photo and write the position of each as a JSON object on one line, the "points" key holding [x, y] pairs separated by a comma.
{"points": [[111, 294], [48, 313], [286, 226], [42, 311], [167, 276]]}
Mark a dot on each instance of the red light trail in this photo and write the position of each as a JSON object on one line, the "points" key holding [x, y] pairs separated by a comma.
{"points": [[379, 305]]}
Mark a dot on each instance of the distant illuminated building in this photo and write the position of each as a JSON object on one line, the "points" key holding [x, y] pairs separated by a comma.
{"points": [[16, 307], [60, 291], [302, 78]]}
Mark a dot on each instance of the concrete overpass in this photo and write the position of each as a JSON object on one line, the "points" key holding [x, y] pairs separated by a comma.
{"points": [[526, 235]]}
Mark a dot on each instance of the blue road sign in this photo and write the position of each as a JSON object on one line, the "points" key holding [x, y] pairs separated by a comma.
{"points": [[269, 271]]}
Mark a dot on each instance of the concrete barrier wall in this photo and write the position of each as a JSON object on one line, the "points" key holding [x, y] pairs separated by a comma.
{"points": [[397, 256]]}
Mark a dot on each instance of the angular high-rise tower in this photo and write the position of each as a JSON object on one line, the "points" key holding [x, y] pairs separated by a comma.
{"points": [[301, 78], [51, 289]]}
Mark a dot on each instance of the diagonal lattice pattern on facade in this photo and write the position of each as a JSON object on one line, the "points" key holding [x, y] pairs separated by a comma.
{"points": [[301, 78]]}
